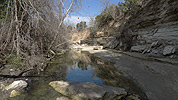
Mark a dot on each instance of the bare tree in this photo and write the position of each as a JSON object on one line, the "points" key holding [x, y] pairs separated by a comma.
{"points": [[92, 21], [35, 27], [105, 3]]}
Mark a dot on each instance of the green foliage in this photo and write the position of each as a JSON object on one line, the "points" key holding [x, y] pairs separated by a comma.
{"points": [[98, 17], [69, 28], [15, 61], [103, 18], [131, 6], [80, 26], [93, 31]]}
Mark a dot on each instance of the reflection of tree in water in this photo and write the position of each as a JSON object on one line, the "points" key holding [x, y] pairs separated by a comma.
{"points": [[57, 70], [39, 88], [112, 77], [82, 65], [78, 56], [81, 60]]}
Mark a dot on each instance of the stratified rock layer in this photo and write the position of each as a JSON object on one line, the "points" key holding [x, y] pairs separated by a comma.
{"points": [[156, 22]]}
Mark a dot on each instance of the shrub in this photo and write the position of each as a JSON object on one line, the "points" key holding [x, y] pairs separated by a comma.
{"points": [[80, 26]]}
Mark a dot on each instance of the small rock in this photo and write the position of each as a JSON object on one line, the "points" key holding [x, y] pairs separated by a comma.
{"points": [[172, 56], [155, 51], [62, 98], [120, 44], [138, 48], [97, 47], [169, 50], [28, 73], [60, 86], [133, 97], [14, 93], [16, 84], [154, 44], [149, 41], [11, 69], [2, 86]]}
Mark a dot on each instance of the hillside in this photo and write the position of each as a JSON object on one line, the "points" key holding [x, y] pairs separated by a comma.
{"points": [[152, 30]]}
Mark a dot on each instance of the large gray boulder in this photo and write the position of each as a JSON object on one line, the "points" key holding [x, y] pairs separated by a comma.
{"points": [[88, 91]]}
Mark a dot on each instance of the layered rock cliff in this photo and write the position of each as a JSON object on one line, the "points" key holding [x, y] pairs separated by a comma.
{"points": [[153, 30]]}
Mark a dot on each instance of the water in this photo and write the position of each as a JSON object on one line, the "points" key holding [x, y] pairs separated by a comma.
{"points": [[87, 74], [76, 67]]}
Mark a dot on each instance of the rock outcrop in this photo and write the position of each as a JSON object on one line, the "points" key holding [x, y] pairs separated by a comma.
{"points": [[88, 91], [157, 22]]}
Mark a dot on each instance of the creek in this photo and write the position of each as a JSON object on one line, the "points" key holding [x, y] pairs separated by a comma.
{"points": [[76, 66]]}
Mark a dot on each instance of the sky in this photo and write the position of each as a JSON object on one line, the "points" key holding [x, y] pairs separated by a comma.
{"points": [[90, 8]]}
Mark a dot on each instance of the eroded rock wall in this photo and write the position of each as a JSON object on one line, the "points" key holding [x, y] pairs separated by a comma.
{"points": [[152, 30]]}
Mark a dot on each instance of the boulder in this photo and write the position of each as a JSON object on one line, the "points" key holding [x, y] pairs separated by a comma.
{"points": [[16, 84], [14, 93], [112, 44], [102, 41], [169, 50], [88, 91]]}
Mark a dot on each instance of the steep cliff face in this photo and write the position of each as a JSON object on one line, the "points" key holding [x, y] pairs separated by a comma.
{"points": [[152, 30]]}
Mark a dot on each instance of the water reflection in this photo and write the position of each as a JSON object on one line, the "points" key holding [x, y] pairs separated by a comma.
{"points": [[82, 73], [87, 68], [78, 67]]}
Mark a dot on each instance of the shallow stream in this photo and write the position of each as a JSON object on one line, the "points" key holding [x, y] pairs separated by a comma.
{"points": [[76, 66]]}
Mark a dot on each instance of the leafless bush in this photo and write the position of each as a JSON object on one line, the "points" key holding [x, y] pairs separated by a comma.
{"points": [[34, 27]]}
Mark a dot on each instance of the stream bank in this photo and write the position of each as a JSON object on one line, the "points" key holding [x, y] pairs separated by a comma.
{"points": [[157, 77]]}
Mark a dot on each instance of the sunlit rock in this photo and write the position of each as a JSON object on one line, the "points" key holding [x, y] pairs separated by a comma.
{"points": [[62, 98], [97, 47], [16, 84], [88, 91], [2, 86], [14, 93]]}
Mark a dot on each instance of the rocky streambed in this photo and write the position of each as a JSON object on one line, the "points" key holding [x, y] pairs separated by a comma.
{"points": [[74, 75], [157, 77], [96, 75]]}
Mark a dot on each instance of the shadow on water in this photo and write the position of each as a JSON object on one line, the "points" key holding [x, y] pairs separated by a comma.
{"points": [[75, 66]]}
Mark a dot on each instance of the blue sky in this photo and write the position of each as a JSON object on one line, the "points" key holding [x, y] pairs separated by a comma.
{"points": [[90, 8], [94, 7]]}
